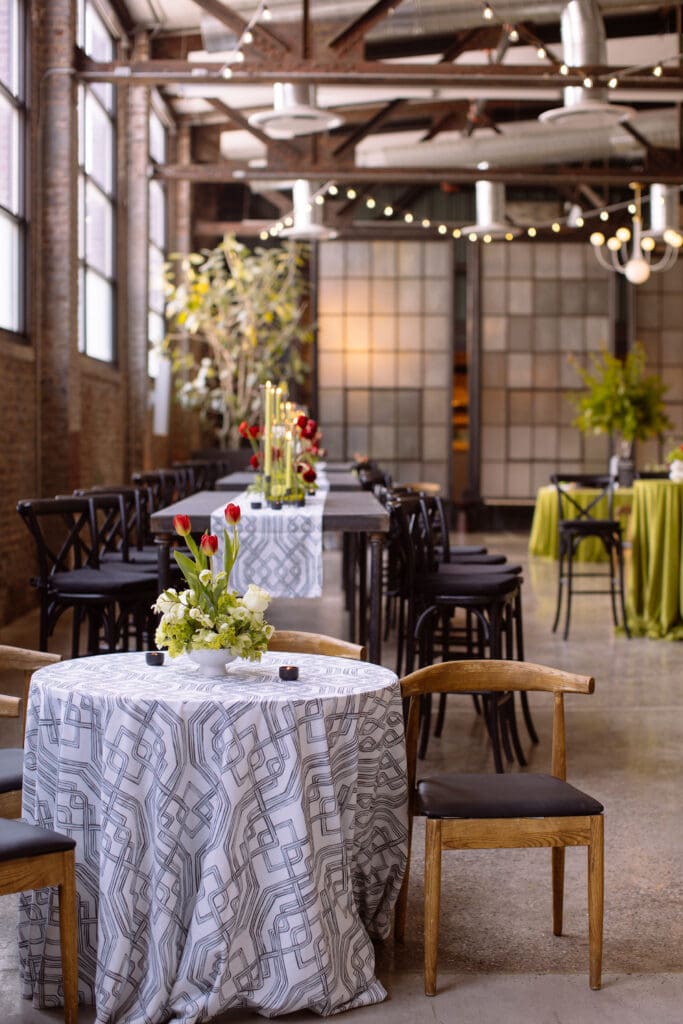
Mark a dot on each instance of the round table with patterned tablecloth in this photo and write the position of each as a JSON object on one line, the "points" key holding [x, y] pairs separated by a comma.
{"points": [[238, 839]]}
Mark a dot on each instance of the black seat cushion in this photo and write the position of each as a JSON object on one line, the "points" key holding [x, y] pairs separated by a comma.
{"points": [[108, 581], [456, 795], [446, 585], [17, 839], [11, 769], [590, 525]]}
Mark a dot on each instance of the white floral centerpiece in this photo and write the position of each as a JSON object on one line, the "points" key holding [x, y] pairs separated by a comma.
{"points": [[208, 616]]}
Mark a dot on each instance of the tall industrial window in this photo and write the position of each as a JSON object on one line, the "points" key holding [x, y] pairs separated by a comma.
{"points": [[13, 223], [156, 324], [96, 196]]}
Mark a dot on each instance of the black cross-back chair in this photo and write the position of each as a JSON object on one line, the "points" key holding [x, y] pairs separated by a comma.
{"points": [[578, 520], [70, 576], [431, 596]]}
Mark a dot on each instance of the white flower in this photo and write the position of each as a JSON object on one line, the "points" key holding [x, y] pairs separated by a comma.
{"points": [[165, 601], [256, 598], [205, 576]]}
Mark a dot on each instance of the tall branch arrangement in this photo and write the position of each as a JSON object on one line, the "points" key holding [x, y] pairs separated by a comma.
{"points": [[248, 307]]}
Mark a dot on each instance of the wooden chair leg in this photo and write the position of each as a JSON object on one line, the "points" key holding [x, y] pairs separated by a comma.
{"points": [[402, 905], [68, 939], [432, 901], [557, 858], [596, 885]]}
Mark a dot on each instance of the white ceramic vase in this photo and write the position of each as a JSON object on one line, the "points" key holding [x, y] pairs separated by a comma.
{"points": [[676, 471], [211, 663]]}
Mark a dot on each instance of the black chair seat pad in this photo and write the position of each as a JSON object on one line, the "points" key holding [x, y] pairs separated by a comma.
{"points": [[457, 559], [598, 526], [17, 839], [444, 585], [11, 769], [458, 795], [479, 569], [467, 549], [107, 581]]}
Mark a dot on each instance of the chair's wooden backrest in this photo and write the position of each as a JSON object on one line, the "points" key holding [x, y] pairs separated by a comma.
{"points": [[497, 676], [296, 642], [26, 661]]}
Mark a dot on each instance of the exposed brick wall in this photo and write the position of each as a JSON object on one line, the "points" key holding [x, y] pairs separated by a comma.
{"points": [[18, 474], [103, 438]]}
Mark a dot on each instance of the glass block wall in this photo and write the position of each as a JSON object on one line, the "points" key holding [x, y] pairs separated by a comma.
{"points": [[385, 354], [540, 302], [658, 323]]}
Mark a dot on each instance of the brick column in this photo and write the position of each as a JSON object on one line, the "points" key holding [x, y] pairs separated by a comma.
{"points": [[56, 285], [137, 266]]}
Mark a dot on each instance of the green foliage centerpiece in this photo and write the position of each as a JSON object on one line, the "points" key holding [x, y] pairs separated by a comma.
{"points": [[208, 616]]}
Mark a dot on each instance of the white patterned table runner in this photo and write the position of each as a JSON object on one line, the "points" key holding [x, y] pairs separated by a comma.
{"points": [[281, 550], [238, 839]]}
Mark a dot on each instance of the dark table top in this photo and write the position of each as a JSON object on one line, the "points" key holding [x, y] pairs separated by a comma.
{"points": [[345, 511], [338, 479]]}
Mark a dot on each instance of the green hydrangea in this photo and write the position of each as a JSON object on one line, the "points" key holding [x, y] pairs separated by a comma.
{"points": [[192, 621]]}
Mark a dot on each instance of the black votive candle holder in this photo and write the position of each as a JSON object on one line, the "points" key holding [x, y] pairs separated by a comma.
{"points": [[154, 657], [255, 504], [288, 672]]}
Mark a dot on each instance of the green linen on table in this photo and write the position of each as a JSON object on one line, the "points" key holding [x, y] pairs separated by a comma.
{"points": [[655, 586], [543, 540]]}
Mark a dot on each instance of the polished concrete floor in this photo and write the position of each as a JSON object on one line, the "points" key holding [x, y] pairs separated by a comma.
{"points": [[498, 957]]}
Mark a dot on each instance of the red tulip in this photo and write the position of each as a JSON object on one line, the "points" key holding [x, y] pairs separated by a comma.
{"points": [[302, 421], [243, 429], [255, 430], [209, 544], [233, 513], [310, 475], [255, 461], [182, 525], [309, 430]]}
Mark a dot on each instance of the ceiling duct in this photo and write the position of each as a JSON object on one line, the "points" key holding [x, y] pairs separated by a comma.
{"points": [[308, 219], [294, 113], [490, 208], [584, 44], [522, 143]]}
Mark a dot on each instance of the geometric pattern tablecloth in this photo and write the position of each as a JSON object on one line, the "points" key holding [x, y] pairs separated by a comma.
{"points": [[238, 840], [281, 550]]}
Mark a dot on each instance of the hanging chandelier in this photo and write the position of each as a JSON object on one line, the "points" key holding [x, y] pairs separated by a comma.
{"points": [[636, 262]]}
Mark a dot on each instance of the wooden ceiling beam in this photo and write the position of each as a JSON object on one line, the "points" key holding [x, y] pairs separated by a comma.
{"points": [[354, 32], [368, 127], [530, 176], [512, 76]]}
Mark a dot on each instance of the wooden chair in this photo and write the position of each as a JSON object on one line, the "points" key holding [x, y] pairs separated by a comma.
{"points": [[35, 858], [501, 811], [12, 758], [315, 643]]}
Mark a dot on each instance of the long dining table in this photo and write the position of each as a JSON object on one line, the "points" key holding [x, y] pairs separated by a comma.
{"points": [[358, 515], [239, 840], [338, 480]]}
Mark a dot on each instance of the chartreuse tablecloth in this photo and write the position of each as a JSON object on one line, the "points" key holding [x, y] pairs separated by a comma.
{"points": [[655, 582], [544, 533]]}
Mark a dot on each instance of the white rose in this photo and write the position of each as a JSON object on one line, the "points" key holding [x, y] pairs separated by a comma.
{"points": [[256, 598]]}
